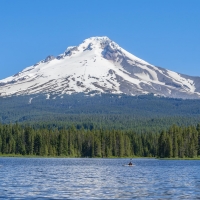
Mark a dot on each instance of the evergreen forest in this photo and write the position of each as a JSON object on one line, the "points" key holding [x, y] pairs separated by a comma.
{"points": [[176, 142], [103, 125], [142, 114]]}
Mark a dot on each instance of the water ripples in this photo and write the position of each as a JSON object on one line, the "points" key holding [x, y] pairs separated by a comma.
{"points": [[98, 179]]}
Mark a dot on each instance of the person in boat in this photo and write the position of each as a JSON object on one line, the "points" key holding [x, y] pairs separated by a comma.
{"points": [[130, 163]]}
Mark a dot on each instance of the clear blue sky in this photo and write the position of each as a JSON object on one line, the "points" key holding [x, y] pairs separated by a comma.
{"points": [[165, 33]]}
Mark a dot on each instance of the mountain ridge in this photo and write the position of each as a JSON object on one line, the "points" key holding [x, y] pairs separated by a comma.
{"points": [[99, 65]]}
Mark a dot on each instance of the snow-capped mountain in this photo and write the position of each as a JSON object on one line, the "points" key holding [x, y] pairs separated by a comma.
{"points": [[99, 65]]}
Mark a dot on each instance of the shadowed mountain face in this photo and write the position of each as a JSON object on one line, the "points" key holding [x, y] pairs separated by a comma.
{"points": [[99, 65]]}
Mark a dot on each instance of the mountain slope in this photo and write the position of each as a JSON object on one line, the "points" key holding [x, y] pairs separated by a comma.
{"points": [[99, 65], [108, 111]]}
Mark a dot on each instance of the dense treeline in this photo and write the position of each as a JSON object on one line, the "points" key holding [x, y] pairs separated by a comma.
{"points": [[72, 142], [179, 142]]}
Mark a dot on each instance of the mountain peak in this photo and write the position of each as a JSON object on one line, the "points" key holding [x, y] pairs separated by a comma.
{"points": [[99, 64], [97, 39], [102, 42]]}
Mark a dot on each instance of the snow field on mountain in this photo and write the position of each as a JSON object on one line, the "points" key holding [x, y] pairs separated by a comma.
{"points": [[97, 65]]}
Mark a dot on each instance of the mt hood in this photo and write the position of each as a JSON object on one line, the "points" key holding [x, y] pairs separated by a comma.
{"points": [[99, 65]]}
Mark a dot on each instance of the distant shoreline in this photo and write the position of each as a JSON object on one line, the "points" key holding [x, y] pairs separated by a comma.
{"points": [[35, 156]]}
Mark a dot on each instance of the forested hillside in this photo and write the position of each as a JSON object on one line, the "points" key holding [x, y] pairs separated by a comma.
{"points": [[176, 142], [139, 113], [100, 126]]}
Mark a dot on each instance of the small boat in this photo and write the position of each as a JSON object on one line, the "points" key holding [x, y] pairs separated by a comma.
{"points": [[130, 164]]}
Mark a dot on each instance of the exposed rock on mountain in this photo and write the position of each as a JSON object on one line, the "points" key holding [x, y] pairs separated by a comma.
{"points": [[99, 65]]}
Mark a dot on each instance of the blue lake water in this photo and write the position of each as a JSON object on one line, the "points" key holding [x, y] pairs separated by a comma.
{"points": [[63, 178]]}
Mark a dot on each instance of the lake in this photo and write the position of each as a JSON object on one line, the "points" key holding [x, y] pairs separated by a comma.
{"points": [[68, 178]]}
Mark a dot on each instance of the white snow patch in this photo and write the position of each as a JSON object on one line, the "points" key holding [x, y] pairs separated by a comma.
{"points": [[30, 100], [47, 96]]}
